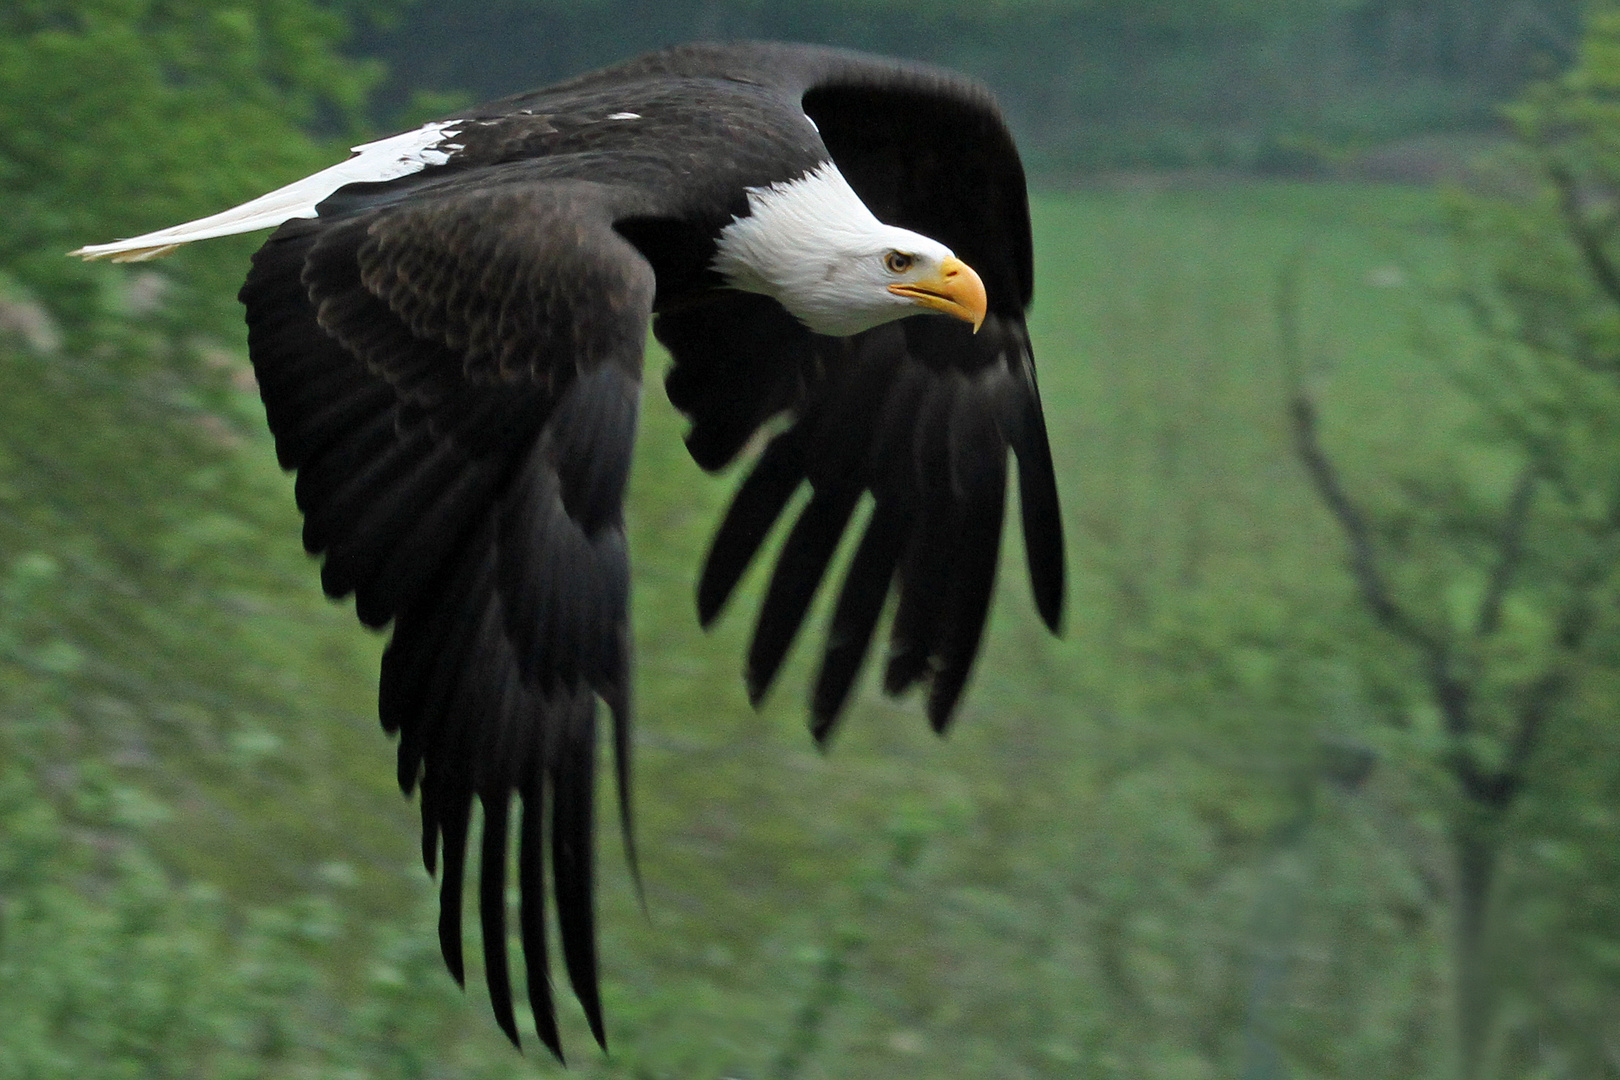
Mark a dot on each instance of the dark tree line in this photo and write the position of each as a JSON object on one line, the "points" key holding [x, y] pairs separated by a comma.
{"points": [[1089, 83]]}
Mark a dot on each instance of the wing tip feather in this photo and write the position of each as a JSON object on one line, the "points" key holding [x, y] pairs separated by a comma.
{"points": [[119, 251]]}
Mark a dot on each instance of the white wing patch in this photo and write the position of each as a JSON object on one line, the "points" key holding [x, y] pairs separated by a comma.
{"points": [[374, 162]]}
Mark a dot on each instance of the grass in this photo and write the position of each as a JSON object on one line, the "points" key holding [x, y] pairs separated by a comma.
{"points": [[1069, 876], [1154, 328]]}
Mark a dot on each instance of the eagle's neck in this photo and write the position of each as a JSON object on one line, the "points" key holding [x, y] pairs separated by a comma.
{"points": [[799, 243], [767, 249]]}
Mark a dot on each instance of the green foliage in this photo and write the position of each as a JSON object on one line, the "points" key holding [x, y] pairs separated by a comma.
{"points": [[118, 116], [1545, 295], [111, 968]]}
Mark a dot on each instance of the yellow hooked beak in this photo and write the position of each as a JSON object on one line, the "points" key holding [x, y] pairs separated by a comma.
{"points": [[955, 290]]}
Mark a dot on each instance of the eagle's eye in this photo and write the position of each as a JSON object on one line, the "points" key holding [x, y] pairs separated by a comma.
{"points": [[898, 262]]}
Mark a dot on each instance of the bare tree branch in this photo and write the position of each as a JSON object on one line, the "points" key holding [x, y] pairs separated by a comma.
{"points": [[1324, 475], [1453, 695]]}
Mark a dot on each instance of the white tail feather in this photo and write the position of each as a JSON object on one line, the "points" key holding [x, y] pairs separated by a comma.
{"points": [[385, 159]]}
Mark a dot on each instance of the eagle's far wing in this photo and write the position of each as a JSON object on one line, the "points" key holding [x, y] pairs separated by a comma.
{"points": [[455, 378], [919, 414]]}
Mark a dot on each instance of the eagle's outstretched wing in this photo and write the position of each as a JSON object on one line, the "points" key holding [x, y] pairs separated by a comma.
{"points": [[456, 379]]}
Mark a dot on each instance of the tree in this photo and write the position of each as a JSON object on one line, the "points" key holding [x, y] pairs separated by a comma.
{"points": [[1489, 581]]}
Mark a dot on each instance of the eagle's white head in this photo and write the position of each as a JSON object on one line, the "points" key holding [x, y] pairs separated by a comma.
{"points": [[814, 247]]}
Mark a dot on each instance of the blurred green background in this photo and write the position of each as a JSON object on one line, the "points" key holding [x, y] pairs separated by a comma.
{"points": [[1322, 781]]}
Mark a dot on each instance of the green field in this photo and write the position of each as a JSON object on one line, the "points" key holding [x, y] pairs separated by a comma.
{"points": [[1092, 876]]}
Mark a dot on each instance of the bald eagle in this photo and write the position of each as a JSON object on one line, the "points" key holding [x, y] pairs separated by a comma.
{"points": [[448, 329]]}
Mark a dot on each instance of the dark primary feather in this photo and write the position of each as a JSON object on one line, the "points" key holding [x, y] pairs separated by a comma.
{"points": [[928, 445], [451, 361]]}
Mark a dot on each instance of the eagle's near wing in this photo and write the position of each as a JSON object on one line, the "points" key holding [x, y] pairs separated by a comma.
{"points": [[451, 362], [919, 414], [456, 379]]}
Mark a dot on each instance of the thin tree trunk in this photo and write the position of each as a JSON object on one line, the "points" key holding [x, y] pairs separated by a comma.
{"points": [[1476, 843]]}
